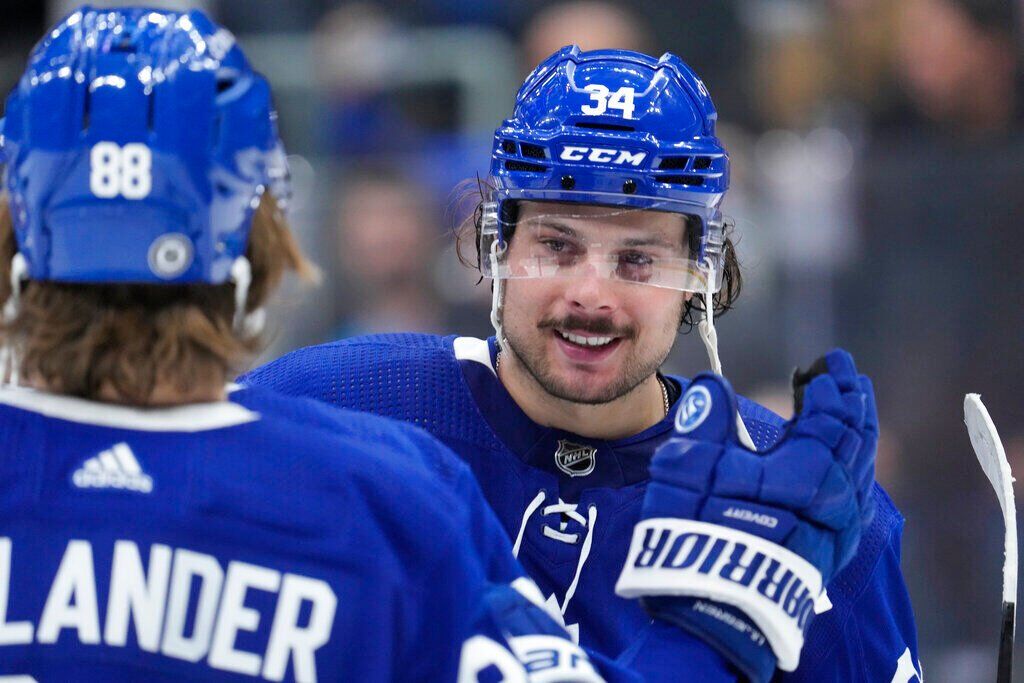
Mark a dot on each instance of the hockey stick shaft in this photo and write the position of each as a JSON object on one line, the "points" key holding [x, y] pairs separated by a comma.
{"points": [[1004, 672]]}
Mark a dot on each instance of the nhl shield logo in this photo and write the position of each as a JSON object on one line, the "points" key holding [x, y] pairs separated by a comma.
{"points": [[575, 459]]}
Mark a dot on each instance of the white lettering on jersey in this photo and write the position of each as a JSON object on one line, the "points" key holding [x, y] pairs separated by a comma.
{"points": [[174, 579], [11, 632], [206, 568], [237, 617], [72, 600], [133, 595], [287, 640]]}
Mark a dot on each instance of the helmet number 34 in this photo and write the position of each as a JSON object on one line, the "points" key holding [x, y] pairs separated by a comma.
{"points": [[621, 99], [115, 170]]}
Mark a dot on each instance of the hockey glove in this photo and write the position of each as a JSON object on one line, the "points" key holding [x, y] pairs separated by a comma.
{"points": [[516, 637], [745, 542]]}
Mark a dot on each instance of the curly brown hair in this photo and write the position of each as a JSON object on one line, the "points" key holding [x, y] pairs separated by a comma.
{"points": [[471, 193], [93, 340]]}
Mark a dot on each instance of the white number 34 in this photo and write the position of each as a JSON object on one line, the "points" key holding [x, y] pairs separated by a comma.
{"points": [[604, 99], [126, 171]]}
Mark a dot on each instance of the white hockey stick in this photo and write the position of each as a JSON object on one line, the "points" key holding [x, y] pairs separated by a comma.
{"points": [[992, 457]]}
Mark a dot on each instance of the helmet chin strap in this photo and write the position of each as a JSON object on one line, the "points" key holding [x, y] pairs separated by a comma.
{"points": [[19, 273], [496, 295], [709, 336], [8, 356], [247, 324]]}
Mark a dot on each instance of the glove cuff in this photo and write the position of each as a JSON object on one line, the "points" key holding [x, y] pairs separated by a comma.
{"points": [[774, 587], [724, 628]]}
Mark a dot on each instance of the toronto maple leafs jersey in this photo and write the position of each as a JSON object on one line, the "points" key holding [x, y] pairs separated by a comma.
{"points": [[261, 537], [569, 503]]}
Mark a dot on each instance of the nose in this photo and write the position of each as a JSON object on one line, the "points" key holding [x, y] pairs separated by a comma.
{"points": [[590, 292]]}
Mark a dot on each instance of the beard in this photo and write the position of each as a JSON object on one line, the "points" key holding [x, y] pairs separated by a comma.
{"points": [[639, 364]]}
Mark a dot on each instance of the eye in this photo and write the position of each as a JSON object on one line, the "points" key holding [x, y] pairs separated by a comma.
{"points": [[635, 266], [555, 245], [635, 258]]}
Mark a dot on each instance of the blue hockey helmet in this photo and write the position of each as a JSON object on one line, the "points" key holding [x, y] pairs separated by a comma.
{"points": [[612, 128], [137, 146]]}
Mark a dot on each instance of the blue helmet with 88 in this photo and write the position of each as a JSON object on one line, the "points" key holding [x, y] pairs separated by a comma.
{"points": [[137, 145]]}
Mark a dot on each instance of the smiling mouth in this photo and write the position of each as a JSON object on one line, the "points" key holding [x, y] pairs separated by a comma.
{"points": [[585, 341]]}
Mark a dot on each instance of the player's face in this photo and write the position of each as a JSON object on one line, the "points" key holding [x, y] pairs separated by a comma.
{"points": [[588, 338]]}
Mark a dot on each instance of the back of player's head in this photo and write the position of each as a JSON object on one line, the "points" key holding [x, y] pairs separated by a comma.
{"points": [[145, 180], [138, 143]]}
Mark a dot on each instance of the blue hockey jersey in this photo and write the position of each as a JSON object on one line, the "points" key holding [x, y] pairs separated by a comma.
{"points": [[569, 504], [264, 536]]}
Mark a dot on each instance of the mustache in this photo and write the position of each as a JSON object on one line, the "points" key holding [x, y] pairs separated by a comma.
{"points": [[601, 326]]}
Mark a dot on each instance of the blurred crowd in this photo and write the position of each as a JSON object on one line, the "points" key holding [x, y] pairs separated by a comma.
{"points": [[877, 190]]}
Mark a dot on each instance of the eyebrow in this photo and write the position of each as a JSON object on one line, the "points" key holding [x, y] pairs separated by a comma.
{"points": [[558, 227], [629, 242], [648, 242]]}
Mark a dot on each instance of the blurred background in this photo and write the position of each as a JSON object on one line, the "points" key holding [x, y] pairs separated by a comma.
{"points": [[878, 188]]}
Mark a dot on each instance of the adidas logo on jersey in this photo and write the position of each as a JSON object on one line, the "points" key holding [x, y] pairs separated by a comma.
{"points": [[114, 468]]}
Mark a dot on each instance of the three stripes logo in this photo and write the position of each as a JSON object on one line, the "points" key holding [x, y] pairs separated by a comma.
{"points": [[114, 468]]}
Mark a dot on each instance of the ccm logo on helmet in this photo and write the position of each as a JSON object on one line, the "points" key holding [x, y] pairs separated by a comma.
{"points": [[602, 155]]}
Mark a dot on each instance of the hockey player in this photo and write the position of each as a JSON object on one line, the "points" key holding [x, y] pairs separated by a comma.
{"points": [[153, 524], [601, 232]]}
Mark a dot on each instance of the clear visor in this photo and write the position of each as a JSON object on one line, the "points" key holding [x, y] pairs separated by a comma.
{"points": [[639, 246]]}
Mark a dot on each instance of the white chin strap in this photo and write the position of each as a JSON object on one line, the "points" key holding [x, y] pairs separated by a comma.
{"points": [[709, 336], [19, 273], [247, 324], [8, 356], [496, 295]]}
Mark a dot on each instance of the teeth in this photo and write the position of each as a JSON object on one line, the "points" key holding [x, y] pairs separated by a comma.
{"points": [[586, 341]]}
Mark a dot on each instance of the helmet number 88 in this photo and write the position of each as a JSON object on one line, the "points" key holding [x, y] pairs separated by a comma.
{"points": [[115, 170], [621, 99]]}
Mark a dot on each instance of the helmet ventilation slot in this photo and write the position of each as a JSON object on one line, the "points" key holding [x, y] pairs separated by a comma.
{"points": [[532, 151], [674, 163], [524, 166], [691, 180]]}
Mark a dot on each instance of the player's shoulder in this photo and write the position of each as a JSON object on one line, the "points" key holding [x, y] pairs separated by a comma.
{"points": [[331, 372], [390, 443]]}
